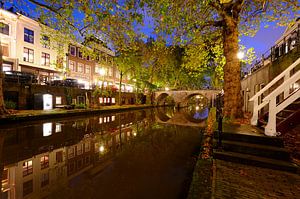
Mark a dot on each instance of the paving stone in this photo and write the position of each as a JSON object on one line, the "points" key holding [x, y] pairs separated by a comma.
{"points": [[233, 180]]}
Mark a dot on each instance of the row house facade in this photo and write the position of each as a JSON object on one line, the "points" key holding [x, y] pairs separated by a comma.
{"points": [[23, 47], [27, 48]]}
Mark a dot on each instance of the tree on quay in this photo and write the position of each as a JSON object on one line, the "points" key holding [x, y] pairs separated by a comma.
{"points": [[226, 20]]}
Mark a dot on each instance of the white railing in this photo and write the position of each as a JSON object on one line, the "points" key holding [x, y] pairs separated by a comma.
{"points": [[270, 99]]}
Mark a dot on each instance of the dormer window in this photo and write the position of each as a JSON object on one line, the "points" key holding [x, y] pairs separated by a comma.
{"points": [[73, 50], [79, 53]]}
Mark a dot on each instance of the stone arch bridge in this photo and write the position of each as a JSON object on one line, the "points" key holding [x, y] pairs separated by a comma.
{"points": [[181, 97]]}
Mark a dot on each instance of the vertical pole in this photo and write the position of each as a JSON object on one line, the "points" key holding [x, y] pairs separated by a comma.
{"points": [[270, 129]]}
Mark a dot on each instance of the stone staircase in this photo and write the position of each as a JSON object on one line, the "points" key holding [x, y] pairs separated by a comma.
{"points": [[256, 150]]}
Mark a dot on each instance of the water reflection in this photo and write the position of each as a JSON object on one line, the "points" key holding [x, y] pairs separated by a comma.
{"points": [[103, 155]]}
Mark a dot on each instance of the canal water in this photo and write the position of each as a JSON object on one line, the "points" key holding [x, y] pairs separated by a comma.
{"points": [[137, 154]]}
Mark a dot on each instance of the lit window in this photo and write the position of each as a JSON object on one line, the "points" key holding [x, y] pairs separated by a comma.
{"points": [[110, 71], [113, 118], [100, 100], [100, 120], [47, 129], [72, 66], [87, 69], [73, 50], [57, 128], [28, 35], [4, 28], [27, 168], [5, 176], [80, 67], [45, 59], [58, 100], [28, 55], [113, 100], [44, 161], [104, 119]]}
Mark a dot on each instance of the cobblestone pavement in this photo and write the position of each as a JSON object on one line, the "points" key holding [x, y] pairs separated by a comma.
{"points": [[232, 180]]}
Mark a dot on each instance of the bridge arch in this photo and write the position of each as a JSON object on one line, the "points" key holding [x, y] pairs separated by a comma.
{"points": [[181, 97], [164, 98]]}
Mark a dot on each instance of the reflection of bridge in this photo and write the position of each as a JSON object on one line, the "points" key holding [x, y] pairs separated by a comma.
{"points": [[182, 118], [181, 97]]}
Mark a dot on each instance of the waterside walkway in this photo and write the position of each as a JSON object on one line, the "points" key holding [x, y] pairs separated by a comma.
{"points": [[28, 115], [234, 180]]}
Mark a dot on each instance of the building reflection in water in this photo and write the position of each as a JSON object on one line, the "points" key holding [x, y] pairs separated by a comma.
{"points": [[38, 159]]}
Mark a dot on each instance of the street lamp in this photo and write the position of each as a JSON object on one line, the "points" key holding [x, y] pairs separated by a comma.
{"points": [[240, 55]]}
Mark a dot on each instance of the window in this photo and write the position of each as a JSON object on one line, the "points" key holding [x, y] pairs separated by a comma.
{"points": [[4, 28], [88, 58], [58, 100], [80, 67], [81, 99], [73, 50], [87, 160], [87, 147], [110, 71], [72, 66], [27, 187], [28, 55], [44, 161], [57, 128], [79, 164], [79, 53], [59, 156], [27, 168], [71, 152], [5, 51], [87, 69], [45, 59], [5, 176], [28, 35], [45, 42], [44, 179], [79, 149]]}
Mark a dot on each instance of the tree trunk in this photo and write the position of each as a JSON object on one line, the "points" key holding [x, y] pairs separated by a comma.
{"points": [[232, 71], [1, 161]]}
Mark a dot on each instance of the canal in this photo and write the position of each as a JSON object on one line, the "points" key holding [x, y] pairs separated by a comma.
{"points": [[137, 154]]}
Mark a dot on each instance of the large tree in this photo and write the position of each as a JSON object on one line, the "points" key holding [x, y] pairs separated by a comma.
{"points": [[188, 20]]}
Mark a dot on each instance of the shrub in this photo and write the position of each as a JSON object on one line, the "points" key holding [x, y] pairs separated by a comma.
{"points": [[10, 104], [80, 106]]}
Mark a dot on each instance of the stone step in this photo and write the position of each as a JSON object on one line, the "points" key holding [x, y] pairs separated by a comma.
{"points": [[256, 161], [254, 139], [255, 149]]}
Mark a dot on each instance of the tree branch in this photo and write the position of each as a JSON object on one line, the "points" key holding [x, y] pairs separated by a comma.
{"points": [[56, 11]]}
